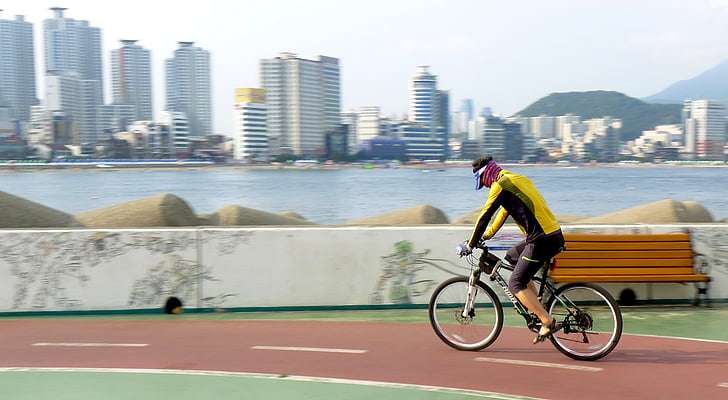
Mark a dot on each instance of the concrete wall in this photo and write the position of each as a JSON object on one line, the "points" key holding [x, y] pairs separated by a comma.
{"points": [[75, 270]]}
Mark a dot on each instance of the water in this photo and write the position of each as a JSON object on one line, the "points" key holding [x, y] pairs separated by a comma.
{"points": [[335, 196]]}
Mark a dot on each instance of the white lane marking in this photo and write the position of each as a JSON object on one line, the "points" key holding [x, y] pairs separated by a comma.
{"points": [[538, 364], [723, 385], [310, 349], [679, 338], [297, 378], [44, 344], [656, 336]]}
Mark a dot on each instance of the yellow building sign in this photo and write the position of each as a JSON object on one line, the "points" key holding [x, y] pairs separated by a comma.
{"points": [[249, 95]]}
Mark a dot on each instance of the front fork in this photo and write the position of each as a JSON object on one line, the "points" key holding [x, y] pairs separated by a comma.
{"points": [[468, 310]]}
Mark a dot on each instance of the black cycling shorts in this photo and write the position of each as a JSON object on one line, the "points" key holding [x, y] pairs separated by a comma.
{"points": [[529, 256]]}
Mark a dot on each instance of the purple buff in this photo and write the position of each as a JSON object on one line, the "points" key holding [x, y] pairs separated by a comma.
{"points": [[491, 172]]}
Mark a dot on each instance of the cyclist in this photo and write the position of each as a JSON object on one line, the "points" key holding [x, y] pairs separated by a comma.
{"points": [[518, 197]]}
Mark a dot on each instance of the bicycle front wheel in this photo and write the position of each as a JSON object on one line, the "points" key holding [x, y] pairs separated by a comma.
{"points": [[591, 320], [475, 331]]}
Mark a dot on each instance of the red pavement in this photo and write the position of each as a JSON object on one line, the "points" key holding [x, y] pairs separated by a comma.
{"points": [[640, 368]]}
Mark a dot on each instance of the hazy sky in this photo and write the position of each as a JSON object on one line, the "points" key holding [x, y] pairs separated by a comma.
{"points": [[503, 54]]}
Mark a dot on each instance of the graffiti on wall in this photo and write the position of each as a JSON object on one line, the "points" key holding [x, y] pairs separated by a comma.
{"points": [[401, 279], [51, 269]]}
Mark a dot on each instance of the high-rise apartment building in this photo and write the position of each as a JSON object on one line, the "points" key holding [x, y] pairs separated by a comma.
{"points": [[179, 130], [17, 67], [249, 119], [131, 78], [74, 76], [543, 127], [303, 99], [189, 87], [72, 46], [705, 129]]}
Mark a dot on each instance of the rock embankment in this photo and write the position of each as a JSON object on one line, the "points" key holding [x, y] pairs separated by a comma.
{"points": [[168, 210], [17, 212], [420, 215], [161, 210]]}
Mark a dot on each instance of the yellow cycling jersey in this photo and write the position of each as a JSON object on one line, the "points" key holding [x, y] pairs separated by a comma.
{"points": [[518, 197]]}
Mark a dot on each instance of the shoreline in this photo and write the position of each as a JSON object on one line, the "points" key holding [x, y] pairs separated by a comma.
{"points": [[112, 167]]}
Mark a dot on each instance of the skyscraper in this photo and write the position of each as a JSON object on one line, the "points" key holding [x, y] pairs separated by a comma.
{"points": [[423, 97], [189, 87], [74, 72], [131, 78], [72, 46], [303, 100], [249, 116], [705, 126], [442, 116], [17, 67]]}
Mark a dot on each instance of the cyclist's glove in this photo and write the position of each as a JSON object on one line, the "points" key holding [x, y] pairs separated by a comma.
{"points": [[463, 249]]}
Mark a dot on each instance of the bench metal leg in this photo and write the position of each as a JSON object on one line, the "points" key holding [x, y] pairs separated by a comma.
{"points": [[701, 290]]}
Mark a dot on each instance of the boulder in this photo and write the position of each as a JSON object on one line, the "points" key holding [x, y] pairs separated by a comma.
{"points": [[208, 219], [666, 211], [17, 212], [469, 219], [161, 210], [420, 215], [569, 219], [292, 214], [240, 216]]}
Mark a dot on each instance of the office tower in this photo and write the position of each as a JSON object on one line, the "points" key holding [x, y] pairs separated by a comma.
{"points": [[423, 97], [368, 123], [17, 67], [350, 120], [303, 99], [442, 116], [467, 107], [494, 137], [251, 134], [131, 79], [189, 87]]}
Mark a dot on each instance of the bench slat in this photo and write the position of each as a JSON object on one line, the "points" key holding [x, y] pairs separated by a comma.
{"points": [[624, 262], [633, 278], [628, 246], [654, 254], [622, 271], [587, 237]]}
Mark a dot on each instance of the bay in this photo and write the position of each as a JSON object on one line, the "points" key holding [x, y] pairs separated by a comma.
{"points": [[335, 196]]}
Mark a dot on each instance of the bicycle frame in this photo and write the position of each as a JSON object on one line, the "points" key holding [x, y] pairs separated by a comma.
{"points": [[532, 321]]}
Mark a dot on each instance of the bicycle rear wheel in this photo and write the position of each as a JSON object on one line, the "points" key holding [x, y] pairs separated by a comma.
{"points": [[476, 331], [591, 320]]}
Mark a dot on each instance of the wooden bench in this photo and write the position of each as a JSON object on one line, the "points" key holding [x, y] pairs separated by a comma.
{"points": [[639, 258]]}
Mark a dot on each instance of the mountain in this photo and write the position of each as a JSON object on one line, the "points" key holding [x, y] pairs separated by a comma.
{"points": [[636, 115], [711, 84]]}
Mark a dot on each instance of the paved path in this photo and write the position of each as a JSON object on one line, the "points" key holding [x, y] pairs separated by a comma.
{"points": [[639, 368]]}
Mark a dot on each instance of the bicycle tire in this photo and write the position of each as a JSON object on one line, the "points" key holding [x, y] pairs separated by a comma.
{"points": [[616, 314], [490, 339]]}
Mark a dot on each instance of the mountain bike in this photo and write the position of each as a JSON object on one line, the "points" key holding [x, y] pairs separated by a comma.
{"points": [[468, 315]]}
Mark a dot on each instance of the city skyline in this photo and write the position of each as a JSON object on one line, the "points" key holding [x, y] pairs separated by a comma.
{"points": [[521, 67]]}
